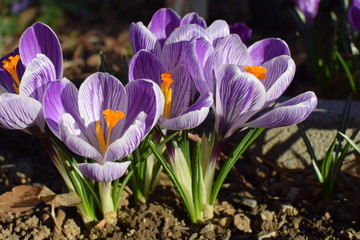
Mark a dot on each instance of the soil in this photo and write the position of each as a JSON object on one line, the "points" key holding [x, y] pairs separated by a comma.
{"points": [[260, 200]]}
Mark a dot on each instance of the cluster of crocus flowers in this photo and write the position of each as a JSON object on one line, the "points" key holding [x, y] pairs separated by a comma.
{"points": [[24, 75], [200, 67], [182, 73]]}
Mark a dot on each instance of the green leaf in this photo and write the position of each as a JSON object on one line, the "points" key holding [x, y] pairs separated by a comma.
{"points": [[196, 175], [173, 179], [351, 142], [347, 71], [234, 156]]}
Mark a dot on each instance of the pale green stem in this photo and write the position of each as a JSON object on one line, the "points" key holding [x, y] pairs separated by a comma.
{"points": [[105, 197]]}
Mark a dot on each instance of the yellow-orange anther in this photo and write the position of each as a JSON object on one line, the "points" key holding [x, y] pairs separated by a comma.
{"points": [[111, 118], [10, 66], [100, 136], [258, 71], [167, 91]]}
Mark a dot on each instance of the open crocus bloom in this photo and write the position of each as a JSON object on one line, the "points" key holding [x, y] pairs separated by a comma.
{"points": [[24, 75], [354, 14], [103, 120], [265, 70], [240, 96], [203, 59], [175, 85]]}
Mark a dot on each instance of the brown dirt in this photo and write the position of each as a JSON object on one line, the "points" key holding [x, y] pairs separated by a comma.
{"points": [[259, 201]]}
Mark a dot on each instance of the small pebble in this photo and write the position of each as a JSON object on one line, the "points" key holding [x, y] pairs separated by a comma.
{"points": [[208, 228], [266, 235], [225, 222]]}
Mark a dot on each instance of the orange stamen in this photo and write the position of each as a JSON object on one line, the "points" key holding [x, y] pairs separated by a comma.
{"points": [[258, 71], [111, 118], [10, 66], [167, 91]]}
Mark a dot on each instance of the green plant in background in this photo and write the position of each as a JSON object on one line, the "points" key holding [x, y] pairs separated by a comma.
{"points": [[327, 171], [328, 40]]}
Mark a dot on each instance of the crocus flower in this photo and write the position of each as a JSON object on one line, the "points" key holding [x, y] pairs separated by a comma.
{"points": [[103, 120], [251, 79], [308, 7], [166, 21], [162, 24], [242, 97], [19, 6], [242, 30], [24, 75], [170, 74], [354, 14]]}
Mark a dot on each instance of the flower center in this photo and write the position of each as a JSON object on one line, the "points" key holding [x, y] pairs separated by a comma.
{"points": [[111, 118], [10, 66], [167, 91], [258, 71]]}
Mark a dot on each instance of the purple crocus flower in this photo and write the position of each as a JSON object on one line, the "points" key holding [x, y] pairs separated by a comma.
{"points": [[103, 120], [245, 81], [354, 14], [242, 97], [169, 72], [308, 7], [166, 21], [242, 30], [162, 24], [19, 6], [24, 75], [175, 85]]}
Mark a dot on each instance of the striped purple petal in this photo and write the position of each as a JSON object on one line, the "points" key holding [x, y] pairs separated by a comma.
{"points": [[287, 113], [180, 90], [163, 23], [106, 172], [196, 55], [280, 73], [144, 96], [39, 72], [218, 30], [192, 117], [142, 38], [40, 38], [230, 50], [129, 141], [20, 112], [61, 97], [144, 64], [193, 18], [239, 96], [75, 139], [266, 49], [174, 47]]}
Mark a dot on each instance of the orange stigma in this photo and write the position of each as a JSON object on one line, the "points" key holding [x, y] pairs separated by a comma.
{"points": [[10, 66], [258, 71], [167, 91], [111, 118]]}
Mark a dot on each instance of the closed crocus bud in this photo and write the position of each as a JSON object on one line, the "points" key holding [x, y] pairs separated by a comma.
{"points": [[354, 14], [308, 7]]}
